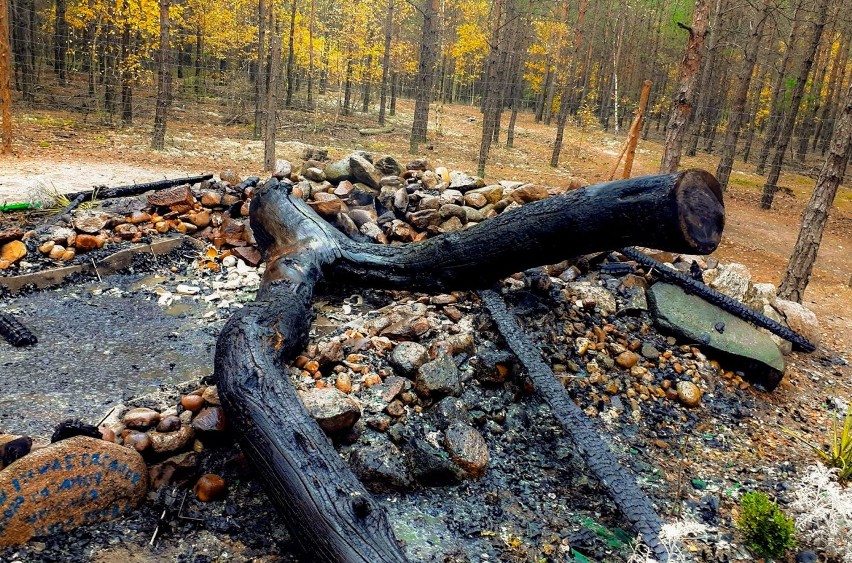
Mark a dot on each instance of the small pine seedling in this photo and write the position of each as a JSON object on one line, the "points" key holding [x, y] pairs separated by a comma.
{"points": [[767, 531]]}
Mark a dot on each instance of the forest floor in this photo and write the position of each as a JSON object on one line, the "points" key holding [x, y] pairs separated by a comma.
{"points": [[62, 150]]}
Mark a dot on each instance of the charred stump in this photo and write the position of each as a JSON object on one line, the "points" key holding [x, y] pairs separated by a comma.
{"points": [[326, 508]]}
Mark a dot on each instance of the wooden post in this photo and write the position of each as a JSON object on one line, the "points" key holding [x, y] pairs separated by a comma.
{"points": [[635, 128], [5, 77], [629, 147]]}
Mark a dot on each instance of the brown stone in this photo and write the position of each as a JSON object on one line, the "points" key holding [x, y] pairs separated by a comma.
{"points": [[333, 410], [137, 440], [688, 393], [192, 403], [10, 234], [328, 205], [90, 223], [211, 199], [209, 487], [77, 481], [343, 383], [174, 471], [56, 252], [249, 254], [170, 442], [230, 177], [201, 219], [13, 251], [210, 419], [179, 195], [627, 359], [528, 193], [126, 231], [392, 387], [467, 448], [211, 396], [138, 217], [89, 242], [169, 424], [395, 408], [141, 418], [46, 247]]}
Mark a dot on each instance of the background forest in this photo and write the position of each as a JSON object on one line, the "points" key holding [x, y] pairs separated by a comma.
{"points": [[762, 66]]}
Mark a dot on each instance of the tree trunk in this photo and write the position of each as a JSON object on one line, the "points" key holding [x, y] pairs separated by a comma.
{"points": [[425, 73], [834, 87], [347, 86], [786, 130], [272, 104], [365, 92], [22, 33], [394, 78], [5, 79], [703, 95], [815, 216], [778, 95], [310, 99], [813, 100], [260, 74], [164, 80], [685, 97], [383, 93], [569, 86], [326, 509], [291, 55], [837, 103], [60, 39], [125, 71], [737, 115], [490, 99]]}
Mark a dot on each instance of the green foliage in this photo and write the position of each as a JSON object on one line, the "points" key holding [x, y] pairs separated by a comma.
{"points": [[768, 532], [839, 451]]}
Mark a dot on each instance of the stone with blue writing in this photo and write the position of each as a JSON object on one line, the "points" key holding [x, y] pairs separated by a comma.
{"points": [[71, 483]]}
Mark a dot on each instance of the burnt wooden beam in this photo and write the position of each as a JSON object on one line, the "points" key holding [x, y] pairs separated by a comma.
{"points": [[327, 510]]}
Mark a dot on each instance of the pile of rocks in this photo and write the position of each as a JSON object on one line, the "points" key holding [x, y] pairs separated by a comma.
{"points": [[368, 198]]}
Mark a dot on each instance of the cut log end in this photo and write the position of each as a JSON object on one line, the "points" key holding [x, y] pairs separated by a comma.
{"points": [[701, 211]]}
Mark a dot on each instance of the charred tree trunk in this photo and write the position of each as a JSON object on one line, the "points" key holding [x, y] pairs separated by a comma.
{"points": [[327, 510], [685, 97], [164, 80], [814, 218]]}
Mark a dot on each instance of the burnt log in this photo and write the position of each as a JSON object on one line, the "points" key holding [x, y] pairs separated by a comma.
{"points": [[327, 510], [133, 189]]}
